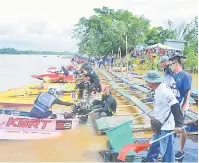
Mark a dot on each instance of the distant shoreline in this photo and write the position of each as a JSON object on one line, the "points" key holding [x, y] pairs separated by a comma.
{"points": [[12, 51], [38, 54]]}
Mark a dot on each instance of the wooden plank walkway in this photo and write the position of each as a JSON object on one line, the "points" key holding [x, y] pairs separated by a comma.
{"points": [[110, 122]]}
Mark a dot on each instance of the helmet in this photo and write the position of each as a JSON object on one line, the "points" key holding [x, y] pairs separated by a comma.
{"points": [[52, 91]]}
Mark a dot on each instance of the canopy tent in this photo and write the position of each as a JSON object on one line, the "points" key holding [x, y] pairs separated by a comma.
{"points": [[170, 48], [158, 45], [162, 46]]}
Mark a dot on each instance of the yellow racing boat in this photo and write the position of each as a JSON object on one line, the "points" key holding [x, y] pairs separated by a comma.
{"points": [[26, 95]]}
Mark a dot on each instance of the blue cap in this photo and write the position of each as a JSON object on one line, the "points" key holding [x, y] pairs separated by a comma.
{"points": [[153, 77], [164, 58]]}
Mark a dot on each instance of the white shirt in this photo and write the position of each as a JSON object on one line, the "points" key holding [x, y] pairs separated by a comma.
{"points": [[163, 100], [169, 80]]}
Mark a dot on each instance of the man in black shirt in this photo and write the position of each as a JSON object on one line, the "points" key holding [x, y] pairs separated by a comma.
{"points": [[107, 104]]}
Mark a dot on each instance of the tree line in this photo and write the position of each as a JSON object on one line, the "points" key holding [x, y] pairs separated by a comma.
{"points": [[107, 29]]}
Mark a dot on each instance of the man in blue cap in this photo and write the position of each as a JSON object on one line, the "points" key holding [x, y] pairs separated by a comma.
{"points": [[164, 62], [168, 74], [165, 103]]}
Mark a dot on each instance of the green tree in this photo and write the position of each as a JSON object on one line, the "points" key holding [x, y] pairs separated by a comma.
{"points": [[158, 35], [188, 32], [107, 29]]}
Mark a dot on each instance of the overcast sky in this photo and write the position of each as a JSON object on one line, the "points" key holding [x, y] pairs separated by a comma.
{"points": [[47, 24]]}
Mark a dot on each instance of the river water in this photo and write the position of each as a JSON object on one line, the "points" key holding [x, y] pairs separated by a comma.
{"points": [[73, 145]]}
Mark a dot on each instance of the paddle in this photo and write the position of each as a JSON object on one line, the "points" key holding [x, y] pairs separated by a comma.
{"points": [[137, 147]]}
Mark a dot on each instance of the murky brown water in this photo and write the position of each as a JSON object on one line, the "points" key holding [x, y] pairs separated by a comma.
{"points": [[73, 145]]}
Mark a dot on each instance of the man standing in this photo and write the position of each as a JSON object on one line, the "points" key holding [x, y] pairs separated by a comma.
{"points": [[167, 111], [168, 75], [183, 84], [168, 79]]}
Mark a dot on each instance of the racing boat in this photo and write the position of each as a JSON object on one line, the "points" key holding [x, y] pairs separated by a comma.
{"points": [[54, 78], [21, 128], [34, 89], [26, 95], [21, 101]]}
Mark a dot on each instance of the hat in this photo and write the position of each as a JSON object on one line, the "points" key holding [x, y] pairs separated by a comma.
{"points": [[164, 58], [153, 77], [176, 56]]}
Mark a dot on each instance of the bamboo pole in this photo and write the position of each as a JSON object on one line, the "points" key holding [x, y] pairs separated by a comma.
{"points": [[127, 69]]}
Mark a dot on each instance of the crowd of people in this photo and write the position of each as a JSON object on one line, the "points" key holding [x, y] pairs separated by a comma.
{"points": [[155, 50]]}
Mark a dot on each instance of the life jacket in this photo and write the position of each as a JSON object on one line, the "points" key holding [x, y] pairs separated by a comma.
{"points": [[41, 105]]}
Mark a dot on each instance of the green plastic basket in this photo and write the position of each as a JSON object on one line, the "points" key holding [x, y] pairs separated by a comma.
{"points": [[120, 136]]}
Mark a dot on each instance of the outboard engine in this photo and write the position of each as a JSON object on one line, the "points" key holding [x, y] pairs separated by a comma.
{"points": [[81, 110], [83, 89]]}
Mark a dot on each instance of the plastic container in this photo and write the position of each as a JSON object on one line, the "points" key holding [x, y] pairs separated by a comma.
{"points": [[120, 136]]}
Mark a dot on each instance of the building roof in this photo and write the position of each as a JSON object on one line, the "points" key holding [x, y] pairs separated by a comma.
{"points": [[172, 40]]}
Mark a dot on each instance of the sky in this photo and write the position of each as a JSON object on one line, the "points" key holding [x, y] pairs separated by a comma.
{"points": [[48, 24]]}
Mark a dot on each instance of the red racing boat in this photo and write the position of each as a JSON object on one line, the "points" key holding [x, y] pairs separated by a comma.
{"points": [[54, 78]]}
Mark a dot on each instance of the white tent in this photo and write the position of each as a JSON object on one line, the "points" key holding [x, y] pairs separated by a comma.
{"points": [[162, 46], [157, 45]]}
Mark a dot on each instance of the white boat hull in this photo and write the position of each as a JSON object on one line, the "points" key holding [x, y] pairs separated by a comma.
{"points": [[22, 128]]}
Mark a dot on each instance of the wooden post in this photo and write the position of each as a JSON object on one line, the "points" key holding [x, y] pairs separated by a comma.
{"points": [[127, 69]]}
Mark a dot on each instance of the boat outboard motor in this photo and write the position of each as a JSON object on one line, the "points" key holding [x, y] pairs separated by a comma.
{"points": [[81, 110]]}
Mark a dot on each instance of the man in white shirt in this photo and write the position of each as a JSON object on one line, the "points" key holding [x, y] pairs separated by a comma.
{"points": [[167, 111]]}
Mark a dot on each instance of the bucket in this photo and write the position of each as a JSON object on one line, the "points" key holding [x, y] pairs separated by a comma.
{"points": [[120, 136]]}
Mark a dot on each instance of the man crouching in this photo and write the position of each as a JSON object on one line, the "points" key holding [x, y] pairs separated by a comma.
{"points": [[106, 105]]}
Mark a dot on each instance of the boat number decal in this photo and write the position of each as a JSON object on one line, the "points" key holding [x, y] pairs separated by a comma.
{"points": [[27, 123], [61, 125]]}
